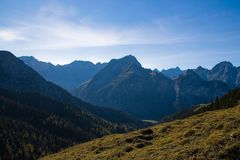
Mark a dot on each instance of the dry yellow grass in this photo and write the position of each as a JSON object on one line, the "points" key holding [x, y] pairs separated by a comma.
{"points": [[210, 135]]}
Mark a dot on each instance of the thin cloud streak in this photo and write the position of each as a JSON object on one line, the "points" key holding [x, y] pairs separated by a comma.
{"points": [[9, 35]]}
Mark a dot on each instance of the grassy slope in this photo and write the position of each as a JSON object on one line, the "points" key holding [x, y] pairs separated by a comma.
{"points": [[210, 135]]}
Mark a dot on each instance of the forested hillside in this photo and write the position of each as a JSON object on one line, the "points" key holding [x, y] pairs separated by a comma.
{"points": [[34, 125]]}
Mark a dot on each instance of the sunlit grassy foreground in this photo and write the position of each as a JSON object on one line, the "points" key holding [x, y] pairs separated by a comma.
{"points": [[210, 135]]}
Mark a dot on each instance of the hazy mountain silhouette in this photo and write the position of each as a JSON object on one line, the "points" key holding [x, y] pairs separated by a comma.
{"points": [[68, 76], [172, 72]]}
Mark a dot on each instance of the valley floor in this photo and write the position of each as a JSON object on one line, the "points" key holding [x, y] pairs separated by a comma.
{"points": [[210, 135]]}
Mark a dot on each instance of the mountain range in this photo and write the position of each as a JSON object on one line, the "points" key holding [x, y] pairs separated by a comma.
{"points": [[68, 76], [124, 84]]}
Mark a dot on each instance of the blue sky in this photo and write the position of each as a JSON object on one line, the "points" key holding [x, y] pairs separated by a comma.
{"points": [[160, 33]]}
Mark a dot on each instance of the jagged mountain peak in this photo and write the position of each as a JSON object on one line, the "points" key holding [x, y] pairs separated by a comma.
{"points": [[225, 72], [80, 62], [175, 68], [127, 60], [28, 57], [172, 73], [202, 72], [125, 66], [200, 68], [122, 67], [222, 65], [130, 57], [32, 61]]}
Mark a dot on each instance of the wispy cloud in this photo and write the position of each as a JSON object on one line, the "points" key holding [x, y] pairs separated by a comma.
{"points": [[10, 35], [53, 28]]}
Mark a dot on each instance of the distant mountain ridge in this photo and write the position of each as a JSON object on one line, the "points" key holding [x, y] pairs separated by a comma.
{"points": [[147, 94], [68, 76], [172, 72], [223, 71]]}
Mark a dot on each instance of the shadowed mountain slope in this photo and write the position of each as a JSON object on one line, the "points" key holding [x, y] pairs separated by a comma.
{"points": [[191, 89], [223, 71]]}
